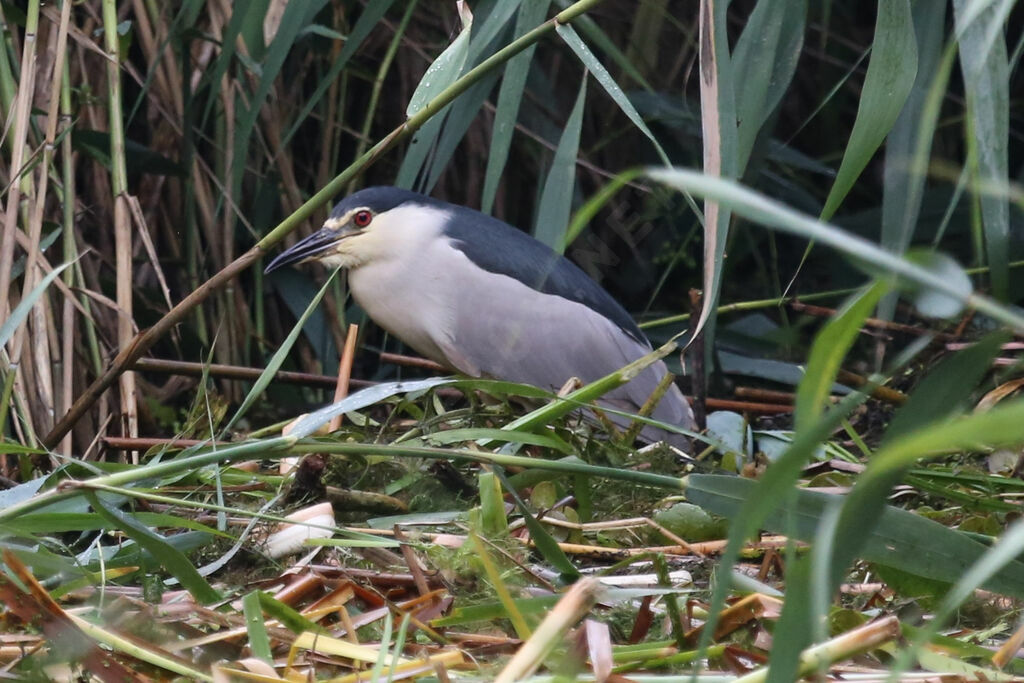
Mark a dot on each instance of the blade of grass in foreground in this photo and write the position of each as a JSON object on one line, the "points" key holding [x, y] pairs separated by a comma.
{"points": [[776, 487], [172, 559]]}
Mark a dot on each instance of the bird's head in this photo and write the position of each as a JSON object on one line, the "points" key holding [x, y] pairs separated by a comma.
{"points": [[368, 225]]}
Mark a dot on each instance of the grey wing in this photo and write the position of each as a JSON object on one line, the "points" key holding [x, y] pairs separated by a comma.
{"points": [[507, 330]]}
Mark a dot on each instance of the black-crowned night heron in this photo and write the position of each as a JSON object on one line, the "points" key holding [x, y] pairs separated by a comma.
{"points": [[482, 298]]}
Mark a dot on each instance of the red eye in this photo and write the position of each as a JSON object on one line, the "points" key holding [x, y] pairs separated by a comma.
{"points": [[362, 218]]}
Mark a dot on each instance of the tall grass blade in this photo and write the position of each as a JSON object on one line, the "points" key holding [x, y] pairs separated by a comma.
{"points": [[277, 360], [909, 140], [21, 311], [938, 398], [986, 74], [259, 641], [764, 62], [594, 66], [830, 348], [891, 73], [510, 95], [441, 74], [556, 199], [545, 544], [169, 557]]}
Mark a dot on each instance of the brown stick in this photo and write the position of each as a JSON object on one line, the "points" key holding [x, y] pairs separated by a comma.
{"points": [[765, 395], [877, 392], [412, 362], [747, 406], [219, 370], [824, 312], [144, 443], [344, 373]]}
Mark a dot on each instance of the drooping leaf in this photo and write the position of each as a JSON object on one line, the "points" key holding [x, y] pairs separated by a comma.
{"points": [[556, 199], [890, 76], [986, 74], [513, 84]]}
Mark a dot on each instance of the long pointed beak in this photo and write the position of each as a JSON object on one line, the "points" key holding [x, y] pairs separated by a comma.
{"points": [[308, 248]]}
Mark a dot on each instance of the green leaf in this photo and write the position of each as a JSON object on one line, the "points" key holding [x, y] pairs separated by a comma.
{"points": [[11, 448], [289, 618], [793, 630], [494, 610], [900, 539], [831, 345], [986, 74], [451, 436], [296, 289], [493, 521], [277, 360], [21, 311], [259, 641], [890, 76], [764, 62], [909, 142], [594, 66], [21, 492], [542, 540], [510, 95], [441, 73], [171, 558], [556, 199], [461, 115]]}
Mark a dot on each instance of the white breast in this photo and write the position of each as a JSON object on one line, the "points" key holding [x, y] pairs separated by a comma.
{"points": [[406, 285]]}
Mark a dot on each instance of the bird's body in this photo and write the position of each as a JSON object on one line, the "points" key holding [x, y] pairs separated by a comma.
{"points": [[478, 296]]}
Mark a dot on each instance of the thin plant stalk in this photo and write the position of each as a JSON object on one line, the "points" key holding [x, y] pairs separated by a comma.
{"points": [[39, 328], [378, 83], [23, 103], [122, 218]]}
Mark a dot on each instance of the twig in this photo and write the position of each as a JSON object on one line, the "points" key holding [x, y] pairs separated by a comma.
{"points": [[221, 371], [143, 443], [344, 374], [748, 407], [412, 362], [824, 312]]}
